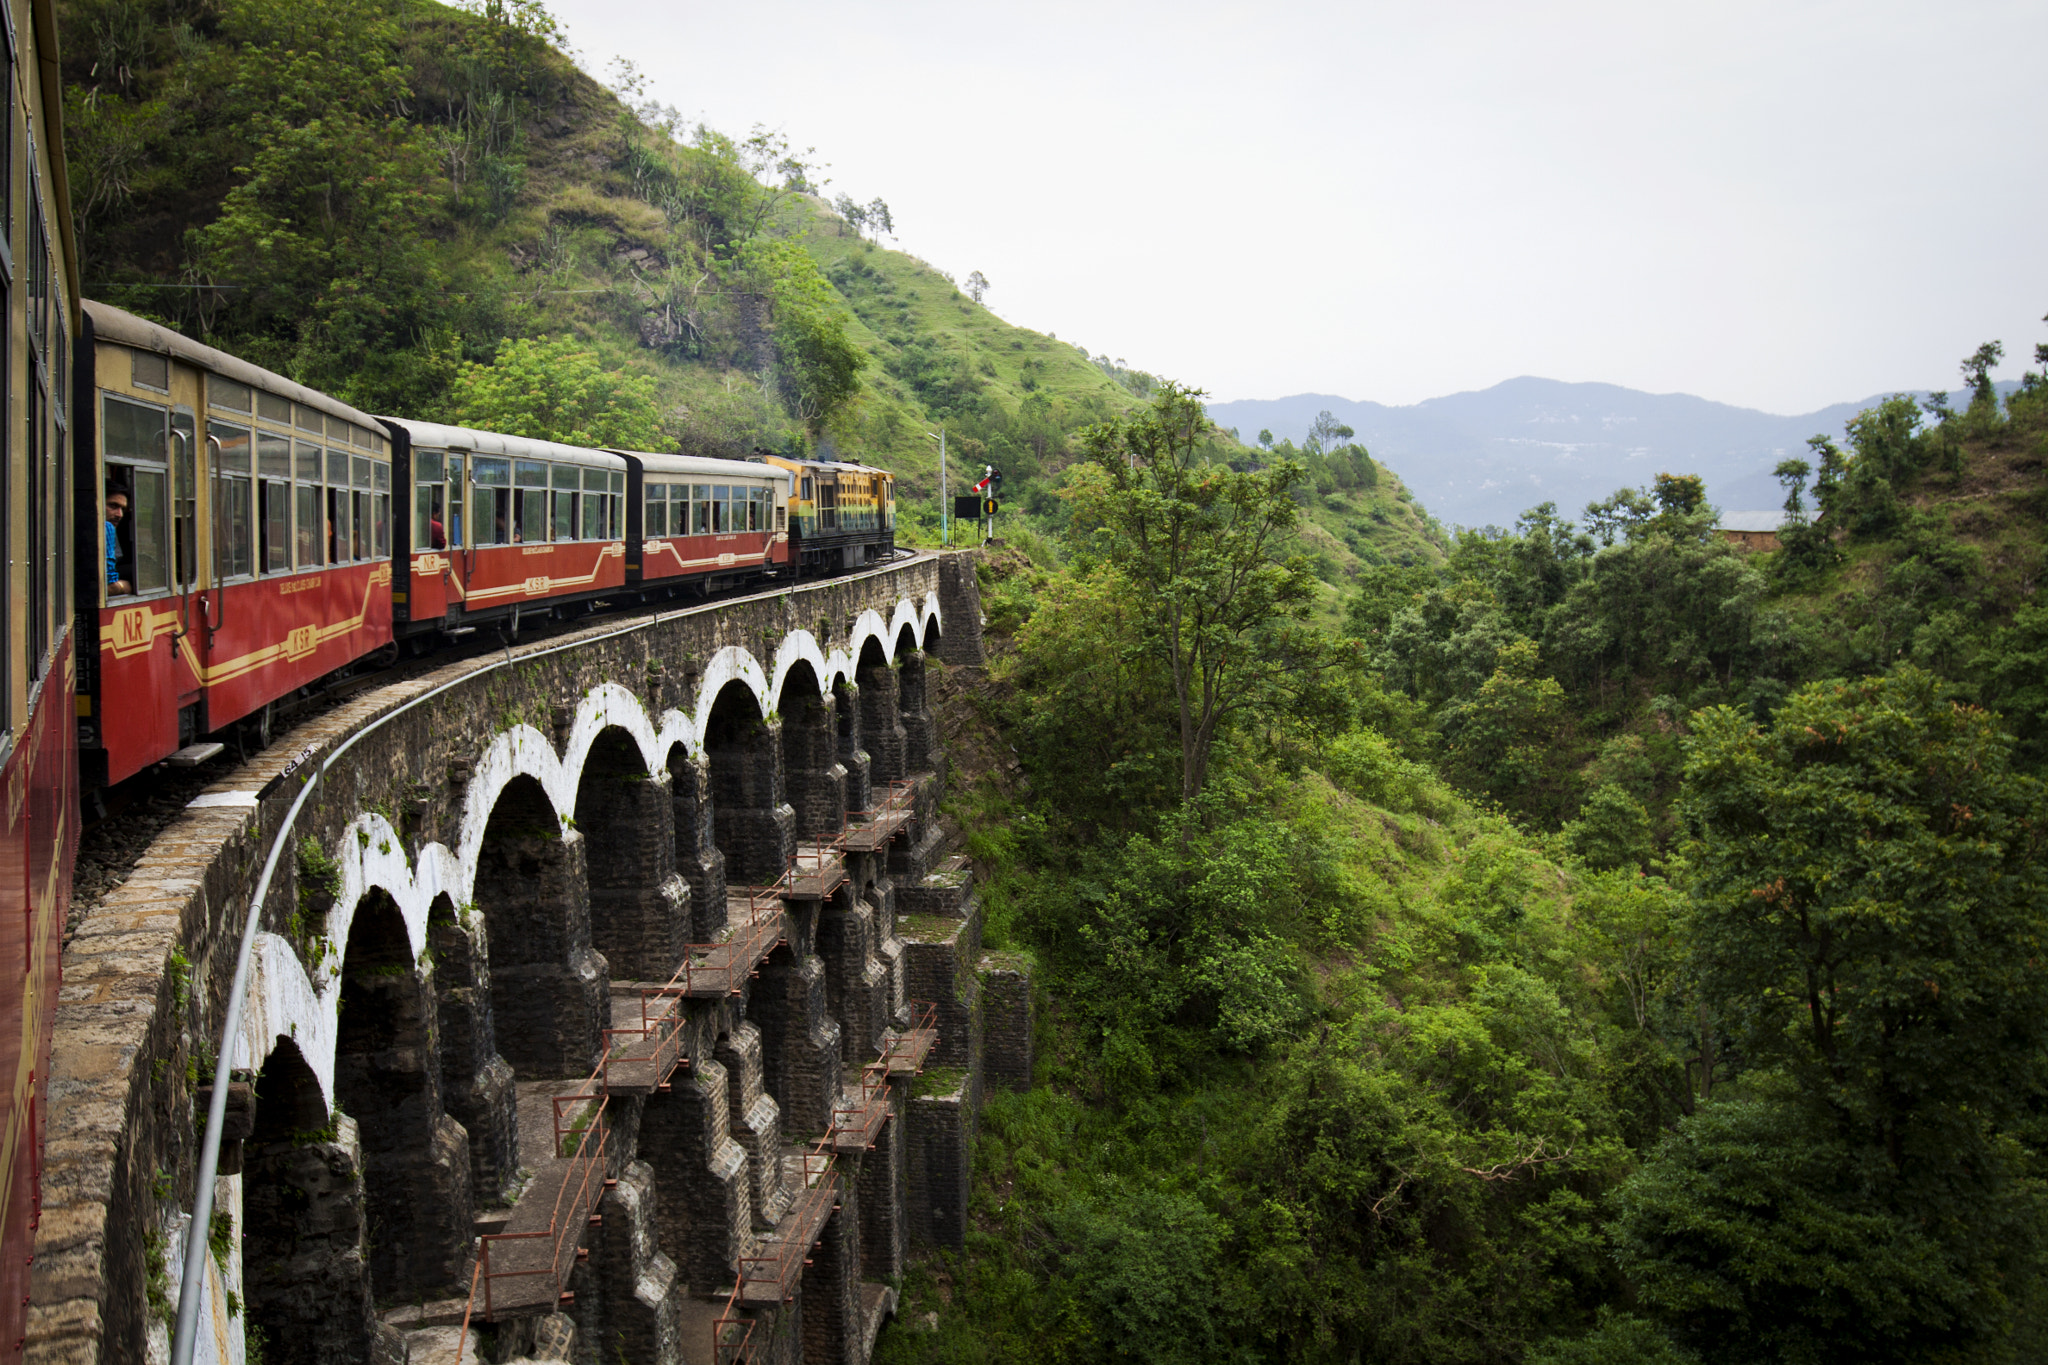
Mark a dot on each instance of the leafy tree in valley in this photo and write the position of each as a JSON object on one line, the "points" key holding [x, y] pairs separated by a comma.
{"points": [[558, 391], [977, 285], [1872, 898], [1199, 542]]}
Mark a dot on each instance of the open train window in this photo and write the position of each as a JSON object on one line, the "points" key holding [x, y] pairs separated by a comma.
{"points": [[530, 506], [700, 501], [429, 482], [133, 438]]}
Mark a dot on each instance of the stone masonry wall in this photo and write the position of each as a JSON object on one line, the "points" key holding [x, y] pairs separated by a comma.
{"points": [[127, 1026]]}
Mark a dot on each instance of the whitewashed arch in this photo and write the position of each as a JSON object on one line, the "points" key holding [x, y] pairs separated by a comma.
{"points": [[286, 1001]]}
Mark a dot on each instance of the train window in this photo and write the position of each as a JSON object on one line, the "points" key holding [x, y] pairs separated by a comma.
{"points": [[275, 505], [491, 473], [380, 476], [654, 511], [338, 432], [491, 518], [184, 498], [530, 516], [807, 488], [529, 474], [700, 499], [149, 520], [721, 508], [781, 514], [309, 420], [306, 540], [363, 476], [595, 508], [337, 468], [828, 507], [455, 499], [337, 526], [147, 370], [309, 462], [271, 408], [273, 456], [380, 521], [362, 512], [562, 525], [226, 393], [233, 496], [233, 449]]}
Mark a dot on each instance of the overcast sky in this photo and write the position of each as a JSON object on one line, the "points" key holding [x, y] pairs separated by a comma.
{"points": [[1780, 205]]}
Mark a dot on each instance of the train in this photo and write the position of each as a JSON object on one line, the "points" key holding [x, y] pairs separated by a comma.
{"points": [[262, 538]]}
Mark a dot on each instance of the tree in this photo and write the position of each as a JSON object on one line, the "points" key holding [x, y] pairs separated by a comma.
{"points": [[878, 219], [1679, 493], [854, 214], [1327, 432], [1199, 541], [557, 391], [977, 285], [1265, 439], [1871, 900], [1792, 475], [1977, 370], [818, 365]]}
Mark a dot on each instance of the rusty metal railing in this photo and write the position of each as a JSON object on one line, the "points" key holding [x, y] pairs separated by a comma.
{"points": [[777, 1266]]}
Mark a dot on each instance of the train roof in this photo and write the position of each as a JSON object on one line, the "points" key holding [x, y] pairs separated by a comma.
{"points": [[702, 466], [791, 462], [125, 329], [436, 436]]}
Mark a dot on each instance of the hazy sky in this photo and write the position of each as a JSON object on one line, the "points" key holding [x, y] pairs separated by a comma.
{"points": [[1776, 204]]}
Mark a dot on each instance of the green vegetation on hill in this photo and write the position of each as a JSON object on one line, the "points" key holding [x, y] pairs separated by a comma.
{"points": [[1631, 953], [375, 196]]}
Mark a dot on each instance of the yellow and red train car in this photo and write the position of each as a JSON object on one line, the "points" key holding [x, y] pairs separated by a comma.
{"points": [[253, 556], [706, 524], [503, 526]]}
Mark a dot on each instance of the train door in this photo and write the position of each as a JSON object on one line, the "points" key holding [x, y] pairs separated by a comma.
{"points": [[436, 531], [149, 486]]}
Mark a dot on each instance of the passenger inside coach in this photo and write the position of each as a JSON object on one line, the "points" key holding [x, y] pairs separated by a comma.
{"points": [[117, 513]]}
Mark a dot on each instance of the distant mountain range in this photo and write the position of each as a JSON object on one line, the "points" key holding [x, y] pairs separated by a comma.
{"points": [[1477, 459]]}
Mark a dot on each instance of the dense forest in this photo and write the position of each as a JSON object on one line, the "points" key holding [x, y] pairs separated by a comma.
{"points": [[1614, 945], [1588, 942]]}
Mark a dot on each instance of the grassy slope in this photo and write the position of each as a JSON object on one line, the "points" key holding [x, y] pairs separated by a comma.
{"points": [[581, 252]]}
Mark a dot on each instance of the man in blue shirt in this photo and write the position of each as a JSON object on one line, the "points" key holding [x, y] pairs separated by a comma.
{"points": [[117, 508]]}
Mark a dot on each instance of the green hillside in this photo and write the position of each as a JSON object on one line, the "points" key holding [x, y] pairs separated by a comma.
{"points": [[370, 195]]}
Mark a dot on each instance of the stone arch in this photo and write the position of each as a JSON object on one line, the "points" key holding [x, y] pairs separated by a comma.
{"points": [[639, 907], [814, 780], [852, 757], [477, 1085], [698, 860], [550, 989], [303, 1266], [387, 1076], [756, 829], [881, 719], [904, 642], [929, 639]]}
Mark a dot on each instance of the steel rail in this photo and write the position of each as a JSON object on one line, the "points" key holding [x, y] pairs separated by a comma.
{"points": [[185, 1341]]}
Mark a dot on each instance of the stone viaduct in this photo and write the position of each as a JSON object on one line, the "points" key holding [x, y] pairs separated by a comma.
{"points": [[615, 994]]}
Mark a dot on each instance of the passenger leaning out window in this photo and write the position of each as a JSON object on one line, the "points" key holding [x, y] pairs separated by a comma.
{"points": [[117, 511]]}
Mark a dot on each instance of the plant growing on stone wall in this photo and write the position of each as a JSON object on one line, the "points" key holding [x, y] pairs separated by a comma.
{"points": [[158, 1289], [180, 973]]}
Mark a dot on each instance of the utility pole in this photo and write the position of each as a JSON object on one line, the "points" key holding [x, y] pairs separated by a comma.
{"points": [[945, 532]]}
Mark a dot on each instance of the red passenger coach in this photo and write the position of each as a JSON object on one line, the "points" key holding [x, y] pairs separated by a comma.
{"points": [[251, 558], [712, 524], [501, 527]]}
